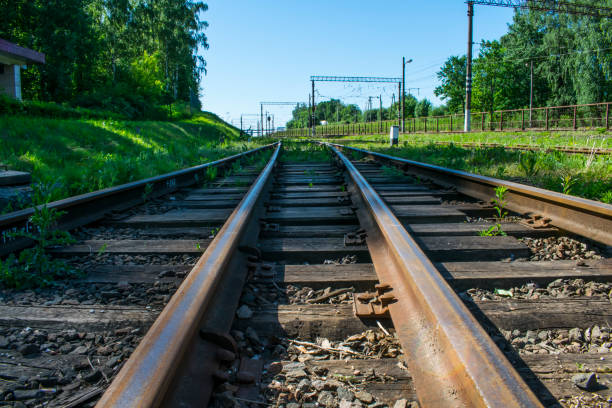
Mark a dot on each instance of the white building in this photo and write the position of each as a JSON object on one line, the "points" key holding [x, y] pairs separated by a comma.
{"points": [[13, 59]]}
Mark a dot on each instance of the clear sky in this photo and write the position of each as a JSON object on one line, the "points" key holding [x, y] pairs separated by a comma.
{"points": [[265, 50]]}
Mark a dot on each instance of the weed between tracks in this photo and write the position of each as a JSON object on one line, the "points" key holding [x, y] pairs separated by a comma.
{"points": [[304, 152], [500, 209], [34, 266]]}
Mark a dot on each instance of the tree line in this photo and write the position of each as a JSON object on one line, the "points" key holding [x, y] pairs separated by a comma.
{"points": [[128, 56], [571, 57], [335, 111]]}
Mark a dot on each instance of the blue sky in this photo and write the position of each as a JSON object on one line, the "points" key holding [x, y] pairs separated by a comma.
{"points": [[264, 50]]}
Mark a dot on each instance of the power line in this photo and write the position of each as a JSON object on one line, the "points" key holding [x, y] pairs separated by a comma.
{"points": [[558, 6], [557, 55], [555, 6]]}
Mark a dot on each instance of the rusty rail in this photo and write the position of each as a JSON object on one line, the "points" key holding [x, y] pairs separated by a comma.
{"points": [[86, 208], [588, 218], [145, 379], [453, 361]]}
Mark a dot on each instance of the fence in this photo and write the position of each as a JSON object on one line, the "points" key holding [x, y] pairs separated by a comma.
{"points": [[571, 117]]}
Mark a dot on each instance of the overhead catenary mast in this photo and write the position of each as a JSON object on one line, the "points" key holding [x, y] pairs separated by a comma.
{"points": [[555, 6]]}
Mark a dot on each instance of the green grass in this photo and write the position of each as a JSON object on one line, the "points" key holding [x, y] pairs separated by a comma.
{"points": [[592, 139], [80, 155], [303, 152], [583, 175]]}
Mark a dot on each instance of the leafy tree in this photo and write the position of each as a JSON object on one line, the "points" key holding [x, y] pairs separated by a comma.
{"points": [[440, 111], [99, 52], [452, 75], [499, 83], [423, 108], [570, 57], [350, 114], [146, 76], [300, 117]]}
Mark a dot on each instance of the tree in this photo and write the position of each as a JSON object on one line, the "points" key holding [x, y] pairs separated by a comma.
{"points": [[300, 117], [98, 50], [452, 75], [423, 108], [350, 114]]}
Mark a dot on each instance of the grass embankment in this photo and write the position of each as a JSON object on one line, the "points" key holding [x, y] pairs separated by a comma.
{"points": [[543, 140], [583, 175], [81, 155]]}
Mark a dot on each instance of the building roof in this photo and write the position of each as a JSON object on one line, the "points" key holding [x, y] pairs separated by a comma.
{"points": [[13, 54]]}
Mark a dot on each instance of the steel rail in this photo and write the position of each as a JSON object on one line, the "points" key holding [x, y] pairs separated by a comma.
{"points": [[86, 208], [588, 218], [144, 379], [453, 361]]}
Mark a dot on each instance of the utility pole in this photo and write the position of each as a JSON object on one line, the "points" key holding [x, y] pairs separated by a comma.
{"points": [[531, 93], [399, 105], [261, 114], [313, 109], [379, 113], [308, 124], [369, 109], [468, 71], [403, 95], [240, 125]]}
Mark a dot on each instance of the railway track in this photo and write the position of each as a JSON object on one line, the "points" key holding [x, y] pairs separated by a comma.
{"points": [[348, 280]]}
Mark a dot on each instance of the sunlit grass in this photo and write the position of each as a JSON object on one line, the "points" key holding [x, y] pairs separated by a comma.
{"points": [[79, 156], [583, 139], [591, 174]]}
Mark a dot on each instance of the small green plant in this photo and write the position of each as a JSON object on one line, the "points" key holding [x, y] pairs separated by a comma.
{"points": [[567, 183], [102, 249], [310, 185], [501, 170], [528, 162], [146, 195], [35, 266], [346, 378], [500, 202], [492, 231], [211, 173], [213, 233], [393, 172], [500, 210]]}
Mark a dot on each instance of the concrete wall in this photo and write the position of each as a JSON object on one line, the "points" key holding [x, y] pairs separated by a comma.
{"points": [[10, 81]]}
